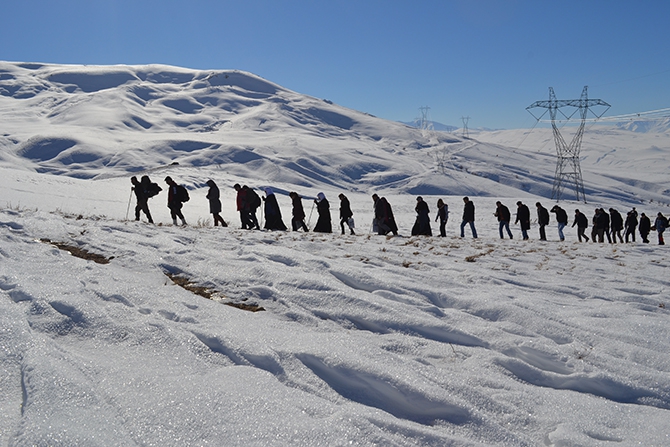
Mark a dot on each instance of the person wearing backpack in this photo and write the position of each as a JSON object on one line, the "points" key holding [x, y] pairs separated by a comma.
{"points": [[215, 203], [631, 224], [143, 191], [562, 219], [254, 201], [660, 224], [616, 224], [582, 223], [176, 197]]}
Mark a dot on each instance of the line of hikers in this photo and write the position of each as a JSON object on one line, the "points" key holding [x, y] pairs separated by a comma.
{"points": [[604, 224]]}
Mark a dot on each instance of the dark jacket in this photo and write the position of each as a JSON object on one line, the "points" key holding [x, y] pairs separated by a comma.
{"points": [[580, 220], [603, 221], [543, 216], [616, 220], [645, 225], [345, 208], [298, 211], [523, 216], [469, 212], [561, 215], [503, 214], [384, 214], [213, 197]]}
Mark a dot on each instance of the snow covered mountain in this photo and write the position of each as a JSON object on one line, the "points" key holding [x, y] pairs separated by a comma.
{"points": [[99, 122], [120, 333]]}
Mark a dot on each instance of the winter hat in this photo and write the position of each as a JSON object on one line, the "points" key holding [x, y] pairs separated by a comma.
{"points": [[320, 196]]}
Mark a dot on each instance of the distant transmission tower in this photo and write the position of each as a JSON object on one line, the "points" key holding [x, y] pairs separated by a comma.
{"points": [[424, 121], [466, 132], [568, 169]]}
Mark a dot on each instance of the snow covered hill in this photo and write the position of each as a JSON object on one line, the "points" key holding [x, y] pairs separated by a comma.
{"points": [[120, 333], [94, 122]]}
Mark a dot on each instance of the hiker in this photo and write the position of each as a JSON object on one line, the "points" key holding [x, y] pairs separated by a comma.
{"points": [[253, 203], [242, 206], [346, 215], [468, 217], [385, 222], [443, 216], [631, 224], [616, 224], [273, 220], [582, 224], [323, 223], [603, 224], [660, 224], [215, 203], [144, 190], [543, 220], [644, 228], [562, 219], [594, 225], [504, 216], [422, 224], [177, 195], [298, 212], [523, 216]]}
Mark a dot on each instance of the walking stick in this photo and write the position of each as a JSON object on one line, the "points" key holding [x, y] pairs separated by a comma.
{"points": [[129, 200], [310, 214]]}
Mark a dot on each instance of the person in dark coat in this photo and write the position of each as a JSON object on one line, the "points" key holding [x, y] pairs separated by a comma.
{"points": [[562, 219], [422, 225], [443, 216], [323, 224], [142, 194], [242, 206], [594, 225], [504, 216], [603, 226], [616, 223], [468, 217], [215, 203], [253, 203], [631, 224], [523, 217], [346, 215], [273, 220], [582, 224], [174, 204], [542, 220], [384, 219], [298, 212], [644, 228], [660, 224]]}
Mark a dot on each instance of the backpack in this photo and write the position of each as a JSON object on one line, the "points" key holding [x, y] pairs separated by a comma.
{"points": [[254, 199], [153, 189], [182, 194]]}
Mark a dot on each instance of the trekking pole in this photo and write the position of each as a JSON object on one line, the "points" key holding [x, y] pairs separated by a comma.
{"points": [[129, 200], [310, 214]]}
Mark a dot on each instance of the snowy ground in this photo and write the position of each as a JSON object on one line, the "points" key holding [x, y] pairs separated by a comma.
{"points": [[363, 340]]}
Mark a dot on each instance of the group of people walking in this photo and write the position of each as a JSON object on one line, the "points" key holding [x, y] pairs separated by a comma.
{"points": [[604, 224]]}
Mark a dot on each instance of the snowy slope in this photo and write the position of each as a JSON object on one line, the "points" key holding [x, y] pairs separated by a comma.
{"points": [[363, 340]]}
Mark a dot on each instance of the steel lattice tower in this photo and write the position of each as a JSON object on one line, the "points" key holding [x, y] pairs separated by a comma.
{"points": [[568, 170]]}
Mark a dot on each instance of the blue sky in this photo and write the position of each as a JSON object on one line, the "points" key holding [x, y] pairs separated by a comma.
{"points": [[486, 59]]}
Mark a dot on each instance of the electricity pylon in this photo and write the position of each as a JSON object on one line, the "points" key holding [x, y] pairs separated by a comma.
{"points": [[568, 169], [466, 132]]}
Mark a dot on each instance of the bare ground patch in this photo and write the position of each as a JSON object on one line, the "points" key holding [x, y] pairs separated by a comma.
{"points": [[209, 293], [79, 252]]}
